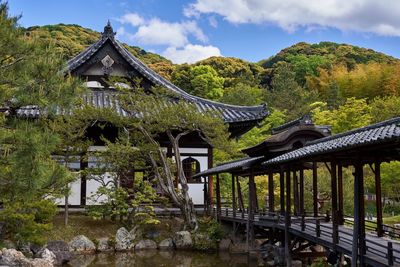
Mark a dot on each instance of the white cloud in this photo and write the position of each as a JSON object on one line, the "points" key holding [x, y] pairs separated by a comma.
{"points": [[213, 22], [190, 53], [159, 32], [132, 18], [379, 17]]}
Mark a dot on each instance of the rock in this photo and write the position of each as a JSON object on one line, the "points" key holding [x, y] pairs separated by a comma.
{"points": [[104, 245], [166, 244], [124, 240], [12, 257], [26, 249], [146, 244], [183, 240], [297, 264], [203, 242], [152, 234], [224, 244], [178, 222], [82, 244], [61, 250], [48, 255]]}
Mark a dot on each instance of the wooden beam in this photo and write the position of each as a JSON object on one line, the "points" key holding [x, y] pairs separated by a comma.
{"points": [[358, 248], [282, 191], [295, 194], [287, 219], [250, 218], [210, 177], [340, 194], [378, 194], [218, 193], [315, 189], [240, 194], [233, 196], [255, 198], [334, 198], [271, 204], [301, 189]]}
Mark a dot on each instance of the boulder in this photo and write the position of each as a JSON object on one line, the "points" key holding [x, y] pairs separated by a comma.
{"points": [[225, 244], [124, 240], [47, 255], [104, 245], [82, 244], [182, 240], [12, 257], [178, 222], [146, 244], [61, 251], [166, 244]]}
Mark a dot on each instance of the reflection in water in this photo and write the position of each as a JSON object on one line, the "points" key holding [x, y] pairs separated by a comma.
{"points": [[155, 258]]}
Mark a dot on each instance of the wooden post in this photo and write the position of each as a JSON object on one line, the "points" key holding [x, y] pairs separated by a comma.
{"points": [[282, 191], [301, 199], [340, 194], [358, 248], [255, 198], [233, 196], [83, 166], [378, 193], [210, 177], [271, 203], [295, 194], [240, 195], [250, 216], [287, 219], [335, 233], [205, 194], [315, 189], [218, 193]]}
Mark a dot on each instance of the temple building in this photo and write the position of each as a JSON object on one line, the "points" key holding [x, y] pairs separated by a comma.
{"points": [[109, 58]]}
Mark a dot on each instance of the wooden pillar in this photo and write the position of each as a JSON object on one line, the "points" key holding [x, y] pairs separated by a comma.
{"points": [[233, 196], [358, 248], [255, 198], [240, 195], [218, 193], [315, 189], [334, 198], [83, 166], [340, 194], [378, 193], [295, 194], [205, 195], [271, 203], [301, 199], [250, 218], [287, 219], [210, 177], [282, 191]]}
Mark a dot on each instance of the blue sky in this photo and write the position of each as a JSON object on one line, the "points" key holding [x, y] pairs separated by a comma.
{"points": [[186, 31]]}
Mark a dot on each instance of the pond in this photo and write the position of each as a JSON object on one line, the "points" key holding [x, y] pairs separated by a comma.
{"points": [[161, 258]]}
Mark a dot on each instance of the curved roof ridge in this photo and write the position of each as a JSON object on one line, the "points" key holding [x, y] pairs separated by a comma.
{"points": [[358, 130]]}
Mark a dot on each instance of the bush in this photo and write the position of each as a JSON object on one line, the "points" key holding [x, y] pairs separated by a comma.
{"points": [[28, 222]]}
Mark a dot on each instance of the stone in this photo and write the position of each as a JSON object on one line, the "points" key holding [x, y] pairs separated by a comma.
{"points": [[104, 245], [48, 255], [297, 263], [183, 240], [25, 248], [203, 242], [61, 250], [146, 244], [224, 244], [166, 244], [152, 234], [12, 257], [179, 222], [82, 244], [124, 240]]}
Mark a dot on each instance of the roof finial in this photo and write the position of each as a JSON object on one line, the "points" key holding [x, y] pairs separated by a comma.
{"points": [[108, 31]]}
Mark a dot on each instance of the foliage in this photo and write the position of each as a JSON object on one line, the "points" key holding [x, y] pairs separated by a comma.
{"points": [[242, 95], [28, 222]]}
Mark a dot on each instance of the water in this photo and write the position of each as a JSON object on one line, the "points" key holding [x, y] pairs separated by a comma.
{"points": [[157, 258]]}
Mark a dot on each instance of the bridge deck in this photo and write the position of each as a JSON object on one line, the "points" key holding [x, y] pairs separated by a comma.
{"points": [[378, 253]]}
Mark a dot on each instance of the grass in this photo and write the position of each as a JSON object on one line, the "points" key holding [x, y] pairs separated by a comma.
{"points": [[391, 220]]}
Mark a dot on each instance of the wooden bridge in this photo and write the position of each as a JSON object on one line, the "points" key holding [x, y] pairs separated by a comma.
{"points": [[311, 231], [286, 155]]}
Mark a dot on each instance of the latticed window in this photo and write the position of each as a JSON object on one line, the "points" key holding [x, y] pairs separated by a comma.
{"points": [[191, 166]]}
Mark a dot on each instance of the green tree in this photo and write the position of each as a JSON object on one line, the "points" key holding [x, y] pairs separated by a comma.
{"points": [[243, 95]]}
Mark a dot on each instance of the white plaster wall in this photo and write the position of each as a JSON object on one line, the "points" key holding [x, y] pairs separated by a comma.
{"points": [[91, 188], [196, 193], [75, 196]]}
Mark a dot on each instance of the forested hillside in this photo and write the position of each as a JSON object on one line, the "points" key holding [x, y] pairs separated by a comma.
{"points": [[325, 79]]}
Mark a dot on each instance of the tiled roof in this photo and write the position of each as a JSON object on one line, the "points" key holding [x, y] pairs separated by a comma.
{"points": [[230, 113], [373, 134], [232, 165]]}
